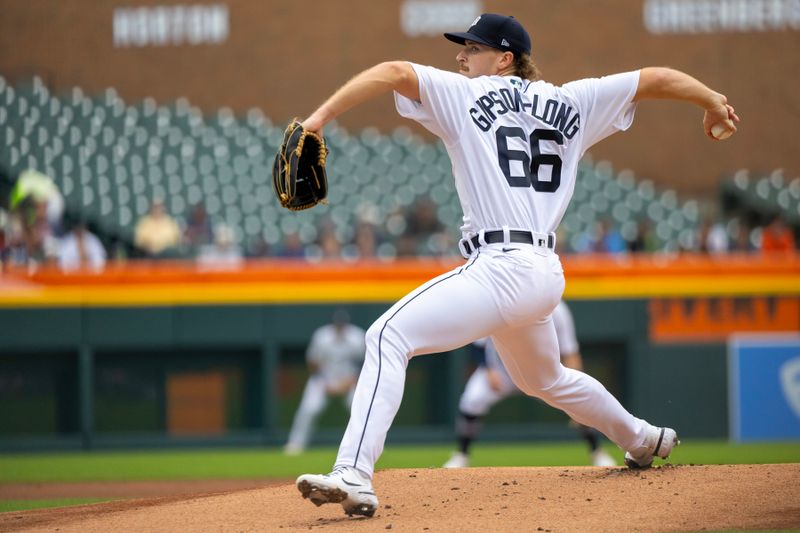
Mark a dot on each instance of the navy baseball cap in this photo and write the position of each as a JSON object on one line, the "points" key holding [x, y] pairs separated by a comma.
{"points": [[497, 31]]}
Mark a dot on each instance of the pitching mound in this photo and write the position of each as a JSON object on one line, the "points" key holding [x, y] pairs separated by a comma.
{"points": [[669, 498]]}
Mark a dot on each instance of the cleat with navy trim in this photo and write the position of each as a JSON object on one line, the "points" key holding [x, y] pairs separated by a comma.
{"points": [[344, 485], [658, 443]]}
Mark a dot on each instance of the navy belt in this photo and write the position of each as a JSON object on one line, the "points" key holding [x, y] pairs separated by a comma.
{"points": [[542, 240], [524, 237]]}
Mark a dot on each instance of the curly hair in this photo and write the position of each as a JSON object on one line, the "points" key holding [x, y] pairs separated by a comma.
{"points": [[525, 68]]}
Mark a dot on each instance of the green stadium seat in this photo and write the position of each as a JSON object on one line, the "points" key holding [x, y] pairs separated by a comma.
{"points": [[252, 226], [612, 191], [599, 203], [174, 185], [646, 190], [794, 188], [139, 185], [634, 201], [620, 213], [8, 97], [626, 180], [124, 196], [669, 199], [194, 195], [655, 211], [688, 238], [176, 206], [691, 211], [256, 121], [676, 220]]}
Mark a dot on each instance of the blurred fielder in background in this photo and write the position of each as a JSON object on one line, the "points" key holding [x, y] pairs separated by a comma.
{"points": [[490, 383], [334, 358]]}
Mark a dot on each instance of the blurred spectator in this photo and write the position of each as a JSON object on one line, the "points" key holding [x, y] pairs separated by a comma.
{"points": [[330, 246], [406, 245], [608, 239], [368, 243], [711, 237], [80, 249], [292, 246], [424, 233], [777, 236], [42, 191], [742, 241], [157, 234], [365, 240], [30, 241], [582, 242], [198, 228], [644, 239], [34, 220], [118, 250], [258, 247], [224, 252]]}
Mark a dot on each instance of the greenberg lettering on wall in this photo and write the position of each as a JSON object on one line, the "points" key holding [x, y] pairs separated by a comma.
{"points": [[170, 25], [721, 16], [430, 18]]}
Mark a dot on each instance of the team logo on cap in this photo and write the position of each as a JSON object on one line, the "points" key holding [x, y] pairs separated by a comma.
{"points": [[504, 42], [475, 21]]}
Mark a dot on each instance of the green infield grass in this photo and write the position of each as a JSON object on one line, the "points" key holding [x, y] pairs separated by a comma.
{"points": [[24, 505], [244, 463], [266, 463]]}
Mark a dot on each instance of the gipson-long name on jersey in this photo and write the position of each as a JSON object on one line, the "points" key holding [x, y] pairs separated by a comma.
{"points": [[493, 104]]}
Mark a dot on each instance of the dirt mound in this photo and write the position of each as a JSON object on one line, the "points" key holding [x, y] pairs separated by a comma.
{"points": [[669, 498]]}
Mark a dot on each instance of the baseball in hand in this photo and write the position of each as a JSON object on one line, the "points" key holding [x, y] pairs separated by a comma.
{"points": [[720, 131]]}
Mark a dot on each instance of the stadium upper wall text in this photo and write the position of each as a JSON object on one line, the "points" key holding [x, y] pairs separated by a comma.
{"points": [[170, 25], [717, 16]]}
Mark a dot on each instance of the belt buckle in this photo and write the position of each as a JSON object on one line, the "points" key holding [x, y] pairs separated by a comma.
{"points": [[462, 247]]}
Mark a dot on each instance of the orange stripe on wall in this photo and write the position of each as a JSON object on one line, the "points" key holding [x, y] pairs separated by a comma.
{"points": [[297, 282]]}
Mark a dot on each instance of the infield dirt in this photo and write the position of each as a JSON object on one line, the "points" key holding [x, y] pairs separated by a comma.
{"points": [[555, 499]]}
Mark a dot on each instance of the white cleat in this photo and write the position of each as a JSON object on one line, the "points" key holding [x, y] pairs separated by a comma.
{"points": [[458, 460], [658, 443], [344, 485], [602, 458]]}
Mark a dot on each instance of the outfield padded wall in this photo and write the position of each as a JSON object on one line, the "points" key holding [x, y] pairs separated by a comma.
{"points": [[248, 329]]}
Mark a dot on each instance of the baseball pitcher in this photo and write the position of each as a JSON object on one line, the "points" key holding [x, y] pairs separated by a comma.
{"points": [[514, 143]]}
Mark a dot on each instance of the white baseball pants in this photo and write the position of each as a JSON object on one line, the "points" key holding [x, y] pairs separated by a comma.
{"points": [[479, 396], [508, 295]]}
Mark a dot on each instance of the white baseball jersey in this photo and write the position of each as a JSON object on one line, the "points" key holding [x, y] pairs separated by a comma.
{"points": [[515, 144], [338, 355], [515, 147]]}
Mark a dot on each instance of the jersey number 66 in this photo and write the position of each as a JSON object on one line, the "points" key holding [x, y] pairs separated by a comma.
{"points": [[530, 165]]}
